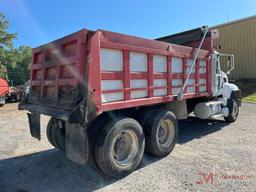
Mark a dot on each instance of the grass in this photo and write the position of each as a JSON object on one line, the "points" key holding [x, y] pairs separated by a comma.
{"points": [[250, 98], [248, 88]]}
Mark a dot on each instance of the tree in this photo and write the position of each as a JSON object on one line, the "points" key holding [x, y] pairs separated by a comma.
{"points": [[18, 64], [5, 37], [16, 60]]}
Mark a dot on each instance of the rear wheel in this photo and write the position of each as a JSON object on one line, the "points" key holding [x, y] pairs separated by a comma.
{"points": [[93, 131], [49, 131], [233, 108], [161, 132], [56, 134], [120, 146]]}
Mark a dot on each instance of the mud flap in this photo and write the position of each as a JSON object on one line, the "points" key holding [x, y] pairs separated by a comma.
{"points": [[34, 125], [77, 144]]}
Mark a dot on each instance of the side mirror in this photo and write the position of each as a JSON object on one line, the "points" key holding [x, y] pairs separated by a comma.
{"points": [[229, 63]]}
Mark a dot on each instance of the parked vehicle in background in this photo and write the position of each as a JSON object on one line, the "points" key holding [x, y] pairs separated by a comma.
{"points": [[9, 93], [4, 88], [15, 94], [111, 96]]}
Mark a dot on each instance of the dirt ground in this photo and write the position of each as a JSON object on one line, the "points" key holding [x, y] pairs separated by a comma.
{"points": [[210, 156]]}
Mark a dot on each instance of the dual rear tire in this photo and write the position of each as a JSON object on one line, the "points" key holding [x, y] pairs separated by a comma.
{"points": [[120, 143], [161, 132]]}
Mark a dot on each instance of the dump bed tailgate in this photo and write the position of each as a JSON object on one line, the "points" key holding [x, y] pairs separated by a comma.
{"points": [[57, 72]]}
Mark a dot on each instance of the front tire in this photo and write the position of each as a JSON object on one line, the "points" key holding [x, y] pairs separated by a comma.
{"points": [[233, 108], [120, 146], [161, 132]]}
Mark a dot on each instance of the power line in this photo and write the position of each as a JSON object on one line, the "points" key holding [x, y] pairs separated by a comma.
{"points": [[18, 73]]}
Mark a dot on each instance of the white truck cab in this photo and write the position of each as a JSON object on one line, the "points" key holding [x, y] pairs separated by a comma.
{"points": [[220, 83], [227, 95]]}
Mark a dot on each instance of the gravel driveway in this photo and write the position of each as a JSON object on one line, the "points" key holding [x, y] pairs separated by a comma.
{"points": [[210, 156]]}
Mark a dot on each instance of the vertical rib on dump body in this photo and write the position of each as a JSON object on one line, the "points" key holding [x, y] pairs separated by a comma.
{"points": [[115, 71]]}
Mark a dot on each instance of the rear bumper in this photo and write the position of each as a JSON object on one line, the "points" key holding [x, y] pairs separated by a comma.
{"points": [[72, 116], [56, 113]]}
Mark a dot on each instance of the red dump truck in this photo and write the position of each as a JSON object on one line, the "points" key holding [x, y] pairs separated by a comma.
{"points": [[113, 96]]}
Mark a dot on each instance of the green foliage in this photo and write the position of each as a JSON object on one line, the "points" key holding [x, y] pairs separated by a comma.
{"points": [[18, 64], [5, 37], [16, 60]]}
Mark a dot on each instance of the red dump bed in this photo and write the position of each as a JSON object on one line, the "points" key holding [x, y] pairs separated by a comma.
{"points": [[120, 71]]}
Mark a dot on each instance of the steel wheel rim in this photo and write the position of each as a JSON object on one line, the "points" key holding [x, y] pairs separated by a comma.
{"points": [[165, 132], [125, 147]]}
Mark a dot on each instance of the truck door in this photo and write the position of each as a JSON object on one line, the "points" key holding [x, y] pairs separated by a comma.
{"points": [[216, 75]]}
